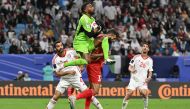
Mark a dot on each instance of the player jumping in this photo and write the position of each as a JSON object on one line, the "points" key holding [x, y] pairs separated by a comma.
{"points": [[87, 32], [70, 76], [94, 70], [141, 67]]}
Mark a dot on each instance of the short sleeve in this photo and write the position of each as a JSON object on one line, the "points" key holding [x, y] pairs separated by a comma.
{"points": [[132, 62]]}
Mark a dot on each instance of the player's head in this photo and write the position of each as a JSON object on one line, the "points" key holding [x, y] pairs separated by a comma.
{"points": [[58, 46], [145, 47], [88, 8], [113, 35]]}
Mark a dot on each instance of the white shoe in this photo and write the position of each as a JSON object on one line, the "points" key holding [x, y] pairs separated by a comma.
{"points": [[72, 100], [109, 61]]}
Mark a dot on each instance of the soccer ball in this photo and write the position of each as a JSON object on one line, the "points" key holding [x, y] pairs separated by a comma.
{"points": [[94, 25], [97, 25]]}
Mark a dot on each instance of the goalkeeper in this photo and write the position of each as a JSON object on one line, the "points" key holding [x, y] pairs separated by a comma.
{"points": [[86, 35]]}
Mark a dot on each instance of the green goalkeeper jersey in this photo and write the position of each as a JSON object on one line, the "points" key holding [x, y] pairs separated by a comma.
{"points": [[82, 42]]}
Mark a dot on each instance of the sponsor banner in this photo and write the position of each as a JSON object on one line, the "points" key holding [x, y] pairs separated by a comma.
{"points": [[38, 89]]}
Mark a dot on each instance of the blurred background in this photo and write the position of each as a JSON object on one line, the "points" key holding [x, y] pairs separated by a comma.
{"points": [[28, 29]]}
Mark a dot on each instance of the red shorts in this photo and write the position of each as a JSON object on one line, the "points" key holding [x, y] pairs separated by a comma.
{"points": [[94, 71]]}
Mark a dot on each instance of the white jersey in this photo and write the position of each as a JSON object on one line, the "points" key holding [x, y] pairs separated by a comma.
{"points": [[58, 63], [142, 66]]}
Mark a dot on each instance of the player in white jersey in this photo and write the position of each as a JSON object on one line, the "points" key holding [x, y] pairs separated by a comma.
{"points": [[69, 76], [141, 67]]}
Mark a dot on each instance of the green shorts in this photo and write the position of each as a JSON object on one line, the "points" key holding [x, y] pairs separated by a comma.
{"points": [[84, 47]]}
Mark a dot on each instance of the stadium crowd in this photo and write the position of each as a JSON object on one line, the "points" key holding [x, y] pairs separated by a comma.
{"points": [[32, 26]]}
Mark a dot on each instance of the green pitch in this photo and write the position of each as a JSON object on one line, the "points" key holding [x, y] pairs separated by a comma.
{"points": [[26, 103]]}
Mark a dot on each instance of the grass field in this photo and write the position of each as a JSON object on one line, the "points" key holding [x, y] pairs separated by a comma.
{"points": [[25, 103]]}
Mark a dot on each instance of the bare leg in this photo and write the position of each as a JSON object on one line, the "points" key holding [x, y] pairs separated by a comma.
{"points": [[126, 99], [53, 100], [144, 93]]}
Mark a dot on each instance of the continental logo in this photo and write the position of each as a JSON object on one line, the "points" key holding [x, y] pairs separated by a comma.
{"points": [[117, 92], [47, 91], [166, 91], [11, 90]]}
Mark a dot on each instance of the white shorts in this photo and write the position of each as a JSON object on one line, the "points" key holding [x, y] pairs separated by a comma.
{"points": [[133, 85], [76, 83]]}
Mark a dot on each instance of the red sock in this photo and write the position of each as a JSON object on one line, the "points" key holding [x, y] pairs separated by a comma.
{"points": [[85, 94], [88, 102], [70, 91]]}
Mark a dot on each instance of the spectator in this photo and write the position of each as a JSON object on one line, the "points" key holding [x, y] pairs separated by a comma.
{"points": [[130, 54], [64, 37], [175, 72], [26, 77], [2, 37], [36, 47], [98, 9], [20, 76], [176, 53], [44, 44], [152, 20], [11, 32], [50, 50], [13, 48], [122, 50], [110, 13], [75, 13], [135, 45], [48, 72], [145, 34]]}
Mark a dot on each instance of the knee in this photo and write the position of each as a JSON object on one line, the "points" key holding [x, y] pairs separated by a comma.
{"points": [[128, 95], [96, 92]]}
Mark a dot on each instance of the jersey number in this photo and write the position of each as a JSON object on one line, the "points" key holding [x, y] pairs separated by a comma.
{"points": [[142, 65]]}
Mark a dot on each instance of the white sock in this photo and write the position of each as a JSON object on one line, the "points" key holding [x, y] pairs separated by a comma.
{"points": [[145, 103], [125, 103], [51, 104], [96, 103]]}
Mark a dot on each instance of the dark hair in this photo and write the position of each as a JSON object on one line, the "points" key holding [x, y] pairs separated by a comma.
{"points": [[84, 6], [112, 31], [146, 43], [58, 41]]}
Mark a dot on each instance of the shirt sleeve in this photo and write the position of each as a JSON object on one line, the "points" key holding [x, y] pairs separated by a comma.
{"points": [[132, 62], [151, 65], [72, 54], [57, 65]]}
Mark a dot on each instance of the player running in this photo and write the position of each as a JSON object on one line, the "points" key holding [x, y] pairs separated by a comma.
{"points": [[141, 67], [85, 36], [94, 70], [70, 76]]}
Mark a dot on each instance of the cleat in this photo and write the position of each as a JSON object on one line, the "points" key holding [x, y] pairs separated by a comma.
{"points": [[72, 100], [109, 61]]}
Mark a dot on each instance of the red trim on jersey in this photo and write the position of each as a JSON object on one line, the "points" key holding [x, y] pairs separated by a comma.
{"points": [[144, 57], [136, 56], [64, 52]]}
